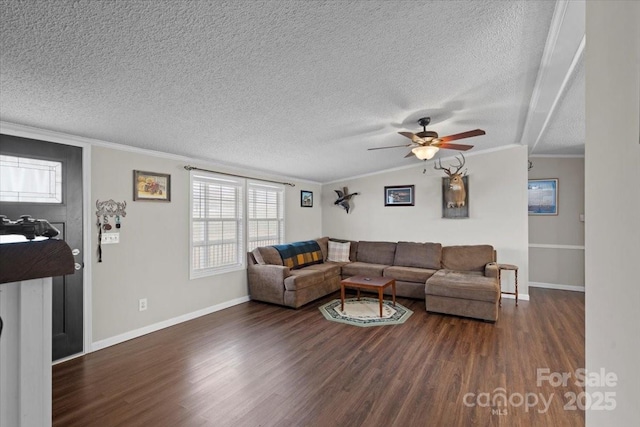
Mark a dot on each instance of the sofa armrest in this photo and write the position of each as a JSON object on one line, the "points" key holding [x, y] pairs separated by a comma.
{"points": [[266, 282], [491, 270]]}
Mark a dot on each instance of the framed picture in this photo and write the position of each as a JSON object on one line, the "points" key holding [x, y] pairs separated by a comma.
{"points": [[543, 196], [399, 195], [306, 199], [151, 186]]}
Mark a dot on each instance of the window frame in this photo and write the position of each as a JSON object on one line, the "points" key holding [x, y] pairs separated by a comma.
{"points": [[280, 193], [240, 264], [244, 187]]}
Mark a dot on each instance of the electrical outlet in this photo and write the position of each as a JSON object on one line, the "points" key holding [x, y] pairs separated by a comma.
{"points": [[109, 238], [142, 304]]}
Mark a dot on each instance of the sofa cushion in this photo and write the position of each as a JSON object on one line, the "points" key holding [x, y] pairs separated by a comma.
{"points": [[376, 252], [421, 255], [408, 274], [323, 243], [363, 269], [300, 254], [268, 254], [353, 250], [303, 278], [329, 269], [467, 258], [455, 284], [339, 252]]}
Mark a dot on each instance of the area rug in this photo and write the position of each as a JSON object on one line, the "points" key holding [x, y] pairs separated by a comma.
{"points": [[365, 312]]}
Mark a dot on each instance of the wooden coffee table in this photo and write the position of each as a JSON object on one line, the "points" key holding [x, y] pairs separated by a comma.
{"points": [[371, 284]]}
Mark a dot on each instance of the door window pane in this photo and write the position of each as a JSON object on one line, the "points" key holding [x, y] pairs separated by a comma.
{"points": [[30, 180]]}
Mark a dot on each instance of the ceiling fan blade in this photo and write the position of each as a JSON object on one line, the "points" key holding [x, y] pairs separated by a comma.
{"points": [[461, 147], [409, 154], [415, 138], [468, 134], [391, 146]]}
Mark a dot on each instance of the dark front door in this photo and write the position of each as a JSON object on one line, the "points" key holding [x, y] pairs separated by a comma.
{"points": [[44, 180]]}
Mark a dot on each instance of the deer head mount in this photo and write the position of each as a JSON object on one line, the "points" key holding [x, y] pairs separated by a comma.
{"points": [[456, 193]]}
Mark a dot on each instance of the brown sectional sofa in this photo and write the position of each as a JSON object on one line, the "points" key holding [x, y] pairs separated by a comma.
{"points": [[459, 280]]}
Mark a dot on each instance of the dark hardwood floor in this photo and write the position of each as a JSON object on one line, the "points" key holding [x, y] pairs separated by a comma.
{"points": [[257, 364]]}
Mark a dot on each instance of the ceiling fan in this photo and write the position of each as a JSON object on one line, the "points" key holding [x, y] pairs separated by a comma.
{"points": [[427, 143]]}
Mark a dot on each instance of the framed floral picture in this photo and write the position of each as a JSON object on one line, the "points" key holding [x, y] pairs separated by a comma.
{"points": [[151, 186]]}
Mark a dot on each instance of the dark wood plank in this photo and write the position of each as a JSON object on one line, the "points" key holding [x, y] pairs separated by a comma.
{"points": [[257, 364]]}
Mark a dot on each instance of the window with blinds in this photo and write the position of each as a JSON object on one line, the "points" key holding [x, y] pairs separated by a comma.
{"points": [[265, 215], [217, 219]]}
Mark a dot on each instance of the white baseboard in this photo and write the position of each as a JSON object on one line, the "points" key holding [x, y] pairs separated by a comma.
{"points": [[521, 297], [574, 288], [99, 345]]}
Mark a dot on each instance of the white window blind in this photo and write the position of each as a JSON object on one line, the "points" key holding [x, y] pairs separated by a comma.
{"points": [[265, 215], [217, 219]]}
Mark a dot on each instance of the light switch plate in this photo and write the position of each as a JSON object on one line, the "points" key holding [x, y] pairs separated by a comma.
{"points": [[110, 238]]}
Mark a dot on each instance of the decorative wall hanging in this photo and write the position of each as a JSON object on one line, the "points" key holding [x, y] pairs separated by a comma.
{"points": [[151, 186], [343, 198], [399, 195], [306, 199], [451, 209], [104, 211], [543, 196], [455, 190]]}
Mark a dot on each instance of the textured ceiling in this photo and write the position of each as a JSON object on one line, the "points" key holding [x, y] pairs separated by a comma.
{"points": [[295, 88]]}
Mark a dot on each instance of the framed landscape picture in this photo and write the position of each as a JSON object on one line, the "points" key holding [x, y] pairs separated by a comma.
{"points": [[151, 186], [543, 196], [306, 199], [399, 195]]}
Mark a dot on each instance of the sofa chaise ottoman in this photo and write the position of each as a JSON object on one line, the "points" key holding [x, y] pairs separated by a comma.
{"points": [[467, 285]]}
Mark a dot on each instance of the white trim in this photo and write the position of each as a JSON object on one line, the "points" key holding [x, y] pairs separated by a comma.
{"points": [[521, 297], [99, 345], [545, 63], [552, 246], [475, 153], [575, 288], [563, 88], [557, 156], [64, 138], [87, 217], [562, 53]]}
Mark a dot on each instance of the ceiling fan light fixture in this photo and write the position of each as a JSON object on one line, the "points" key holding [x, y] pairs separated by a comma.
{"points": [[425, 152]]}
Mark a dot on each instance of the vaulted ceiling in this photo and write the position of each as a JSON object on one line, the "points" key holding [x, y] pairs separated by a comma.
{"points": [[296, 88]]}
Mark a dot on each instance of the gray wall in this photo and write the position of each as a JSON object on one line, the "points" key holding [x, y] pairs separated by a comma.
{"points": [[612, 238], [152, 259], [556, 242], [497, 208]]}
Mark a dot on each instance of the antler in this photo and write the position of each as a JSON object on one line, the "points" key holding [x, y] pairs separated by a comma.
{"points": [[439, 167], [448, 170], [461, 163]]}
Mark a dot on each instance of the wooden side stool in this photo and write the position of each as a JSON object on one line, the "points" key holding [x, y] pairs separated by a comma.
{"points": [[513, 268]]}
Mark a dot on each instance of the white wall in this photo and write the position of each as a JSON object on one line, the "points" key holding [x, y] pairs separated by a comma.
{"points": [[497, 208], [152, 259], [556, 252], [612, 234]]}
